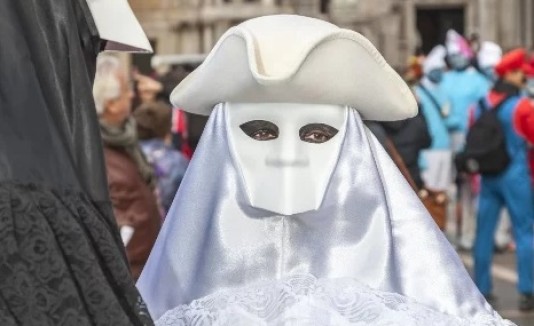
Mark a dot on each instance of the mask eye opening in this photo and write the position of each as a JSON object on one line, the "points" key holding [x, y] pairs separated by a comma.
{"points": [[317, 133], [260, 130]]}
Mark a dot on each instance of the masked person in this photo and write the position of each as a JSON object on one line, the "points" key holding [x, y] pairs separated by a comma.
{"points": [[62, 260], [488, 57], [435, 162], [509, 188], [290, 210], [529, 91], [464, 86]]}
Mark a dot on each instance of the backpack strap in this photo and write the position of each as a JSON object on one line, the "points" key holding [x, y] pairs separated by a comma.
{"points": [[482, 103], [432, 99]]}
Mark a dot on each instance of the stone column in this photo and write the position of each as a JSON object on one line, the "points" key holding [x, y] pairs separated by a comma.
{"points": [[391, 39], [509, 21], [528, 26], [208, 38], [409, 30], [488, 20]]}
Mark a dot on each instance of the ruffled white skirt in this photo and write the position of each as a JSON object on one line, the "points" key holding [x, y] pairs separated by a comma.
{"points": [[305, 301]]}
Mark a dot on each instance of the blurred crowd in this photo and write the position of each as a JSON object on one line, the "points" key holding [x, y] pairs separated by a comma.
{"points": [[469, 151], [148, 145], [144, 166]]}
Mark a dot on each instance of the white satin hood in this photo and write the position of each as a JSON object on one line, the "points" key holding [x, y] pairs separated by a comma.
{"points": [[370, 226]]}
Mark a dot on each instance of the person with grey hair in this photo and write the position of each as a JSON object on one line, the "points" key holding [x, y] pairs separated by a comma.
{"points": [[130, 176]]}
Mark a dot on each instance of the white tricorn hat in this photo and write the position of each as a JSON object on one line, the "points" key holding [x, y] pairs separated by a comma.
{"points": [[295, 59]]}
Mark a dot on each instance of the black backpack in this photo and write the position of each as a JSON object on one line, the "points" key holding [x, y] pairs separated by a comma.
{"points": [[485, 148]]}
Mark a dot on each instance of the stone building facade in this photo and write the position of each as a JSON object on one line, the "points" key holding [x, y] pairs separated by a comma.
{"points": [[396, 27]]}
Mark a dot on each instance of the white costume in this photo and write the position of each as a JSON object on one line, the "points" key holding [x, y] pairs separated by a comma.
{"points": [[291, 213]]}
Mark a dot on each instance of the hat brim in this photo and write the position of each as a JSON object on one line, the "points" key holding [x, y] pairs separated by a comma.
{"points": [[117, 24], [341, 69]]}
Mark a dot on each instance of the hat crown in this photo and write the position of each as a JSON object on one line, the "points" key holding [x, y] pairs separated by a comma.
{"points": [[281, 42]]}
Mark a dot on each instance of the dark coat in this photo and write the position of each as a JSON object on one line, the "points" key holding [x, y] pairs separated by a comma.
{"points": [[410, 137], [134, 204], [62, 260]]}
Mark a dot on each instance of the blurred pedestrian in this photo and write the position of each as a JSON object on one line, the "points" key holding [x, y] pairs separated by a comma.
{"points": [[130, 176], [410, 137], [154, 130], [436, 161], [508, 188], [464, 86], [529, 91], [489, 55]]}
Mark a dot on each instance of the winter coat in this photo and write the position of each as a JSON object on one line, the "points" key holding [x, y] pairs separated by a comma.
{"points": [[435, 106], [134, 205], [464, 89], [410, 137]]}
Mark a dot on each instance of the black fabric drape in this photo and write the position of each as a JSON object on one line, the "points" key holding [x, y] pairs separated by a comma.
{"points": [[61, 260]]}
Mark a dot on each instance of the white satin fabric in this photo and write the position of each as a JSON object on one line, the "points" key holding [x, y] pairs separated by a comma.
{"points": [[371, 227]]}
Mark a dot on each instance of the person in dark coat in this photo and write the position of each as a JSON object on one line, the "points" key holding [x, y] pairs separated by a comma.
{"points": [[410, 137], [62, 260]]}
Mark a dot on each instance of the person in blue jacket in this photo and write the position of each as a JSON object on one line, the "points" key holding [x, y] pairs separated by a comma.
{"points": [[464, 86], [436, 161], [511, 188]]}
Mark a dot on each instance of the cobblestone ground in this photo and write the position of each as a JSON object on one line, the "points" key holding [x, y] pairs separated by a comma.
{"points": [[504, 278]]}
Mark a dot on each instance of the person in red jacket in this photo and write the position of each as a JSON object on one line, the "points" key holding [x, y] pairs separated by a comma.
{"points": [[508, 188], [530, 93]]}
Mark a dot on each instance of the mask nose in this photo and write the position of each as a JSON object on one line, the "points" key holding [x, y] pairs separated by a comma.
{"points": [[289, 153]]}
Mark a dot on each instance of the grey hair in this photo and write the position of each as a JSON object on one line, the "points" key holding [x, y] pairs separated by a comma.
{"points": [[106, 85]]}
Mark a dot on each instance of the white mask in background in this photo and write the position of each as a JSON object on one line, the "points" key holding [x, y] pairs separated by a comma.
{"points": [[286, 153]]}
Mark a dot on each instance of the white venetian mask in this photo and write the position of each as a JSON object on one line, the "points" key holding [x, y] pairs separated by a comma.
{"points": [[286, 153]]}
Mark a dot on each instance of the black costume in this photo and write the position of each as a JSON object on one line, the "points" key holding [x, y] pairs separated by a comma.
{"points": [[62, 260]]}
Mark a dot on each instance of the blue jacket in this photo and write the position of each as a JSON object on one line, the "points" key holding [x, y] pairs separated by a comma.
{"points": [[464, 89], [433, 114], [169, 166]]}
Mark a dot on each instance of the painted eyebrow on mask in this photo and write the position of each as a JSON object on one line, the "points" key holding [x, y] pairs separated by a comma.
{"points": [[317, 133], [260, 130]]}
